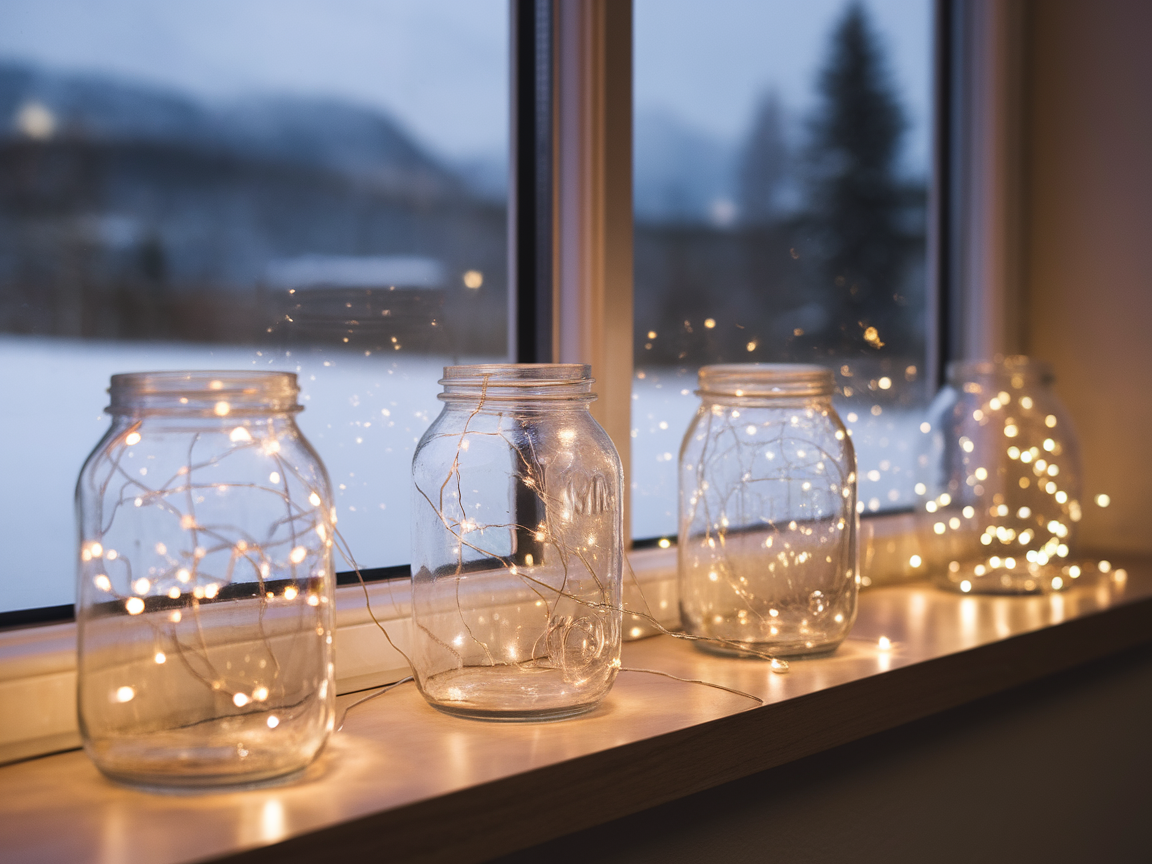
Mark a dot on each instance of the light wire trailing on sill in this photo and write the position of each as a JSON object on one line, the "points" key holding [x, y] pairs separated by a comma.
{"points": [[776, 664]]}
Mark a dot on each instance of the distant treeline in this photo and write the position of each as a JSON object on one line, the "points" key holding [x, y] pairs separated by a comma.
{"points": [[838, 274], [128, 213]]}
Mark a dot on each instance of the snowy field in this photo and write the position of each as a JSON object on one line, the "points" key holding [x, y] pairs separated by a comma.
{"points": [[363, 415], [663, 404]]}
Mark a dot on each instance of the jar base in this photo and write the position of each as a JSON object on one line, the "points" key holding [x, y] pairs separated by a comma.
{"points": [[510, 694], [783, 651], [172, 784], [513, 716], [231, 752], [1040, 580]]}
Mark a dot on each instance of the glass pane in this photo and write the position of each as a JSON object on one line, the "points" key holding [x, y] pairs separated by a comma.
{"points": [[318, 187], [781, 165]]}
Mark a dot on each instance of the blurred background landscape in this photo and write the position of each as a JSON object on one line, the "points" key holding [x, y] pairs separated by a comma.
{"points": [[322, 188], [134, 212]]}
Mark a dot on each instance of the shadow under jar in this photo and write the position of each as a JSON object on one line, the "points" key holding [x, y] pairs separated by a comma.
{"points": [[998, 481], [767, 549], [517, 546], [204, 604]]}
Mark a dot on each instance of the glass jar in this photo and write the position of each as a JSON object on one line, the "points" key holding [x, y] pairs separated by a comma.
{"points": [[204, 605], [517, 546], [998, 480], [767, 550]]}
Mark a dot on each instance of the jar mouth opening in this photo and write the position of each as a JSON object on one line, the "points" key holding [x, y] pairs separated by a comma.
{"points": [[218, 393], [765, 380], [520, 382], [1015, 365]]}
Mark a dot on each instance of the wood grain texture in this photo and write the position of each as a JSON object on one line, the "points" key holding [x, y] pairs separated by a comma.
{"points": [[405, 782]]}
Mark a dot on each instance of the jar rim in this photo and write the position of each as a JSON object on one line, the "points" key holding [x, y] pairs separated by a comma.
{"points": [[519, 374], [518, 382], [218, 392], [959, 371], [765, 380]]}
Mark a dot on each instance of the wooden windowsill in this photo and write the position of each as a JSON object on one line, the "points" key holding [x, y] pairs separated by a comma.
{"points": [[403, 781]]}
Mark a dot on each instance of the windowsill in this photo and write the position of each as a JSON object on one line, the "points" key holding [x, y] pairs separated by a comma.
{"points": [[404, 778], [38, 663]]}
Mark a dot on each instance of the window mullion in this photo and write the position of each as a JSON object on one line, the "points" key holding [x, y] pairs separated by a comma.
{"points": [[531, 222], [594, 205], [986, 157]]}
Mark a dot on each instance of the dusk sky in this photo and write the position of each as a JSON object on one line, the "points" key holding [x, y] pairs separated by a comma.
{"points": [[709, 62], [441, 66]]}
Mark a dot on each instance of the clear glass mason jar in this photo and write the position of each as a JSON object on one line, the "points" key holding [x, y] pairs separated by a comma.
{"points": [[998, 481], [517, 546], [767, 549], [204, 605]]}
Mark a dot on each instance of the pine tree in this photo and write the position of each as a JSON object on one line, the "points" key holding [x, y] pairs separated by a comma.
{"points": [[856, 195], [763, 162]]}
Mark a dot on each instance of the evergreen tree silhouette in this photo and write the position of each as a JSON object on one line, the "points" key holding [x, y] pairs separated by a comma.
{"points": [[856, 196], [763, 162]]}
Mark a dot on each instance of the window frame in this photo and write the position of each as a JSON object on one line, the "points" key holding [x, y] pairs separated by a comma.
{"points": [[570, 262], [570, 213]]}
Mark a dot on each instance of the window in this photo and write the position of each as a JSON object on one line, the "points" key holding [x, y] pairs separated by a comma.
{"points": [[169, 174], [782, 159], [173, 197], [315, 187]]}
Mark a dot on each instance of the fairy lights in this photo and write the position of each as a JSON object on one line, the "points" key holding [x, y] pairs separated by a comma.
{"points": [[186, 552], [1008, 464], [746, 546], [551, 522]]}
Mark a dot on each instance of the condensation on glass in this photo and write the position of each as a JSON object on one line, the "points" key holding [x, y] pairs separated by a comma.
{"points": [[205, 591], [516, 546], [767, 552], [999, 481]]}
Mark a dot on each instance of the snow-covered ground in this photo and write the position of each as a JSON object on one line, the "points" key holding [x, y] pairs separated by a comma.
{"points": [[664, 402], [363, 415]]}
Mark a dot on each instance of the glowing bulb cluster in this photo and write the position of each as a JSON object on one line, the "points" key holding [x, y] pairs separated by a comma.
{"points": [[1006, 517]]}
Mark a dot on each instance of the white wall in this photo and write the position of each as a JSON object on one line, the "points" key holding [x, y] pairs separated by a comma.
{"points": [[1088, 299]]}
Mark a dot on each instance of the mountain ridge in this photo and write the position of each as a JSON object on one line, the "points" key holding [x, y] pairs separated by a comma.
{"points": [[312, 131]]}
